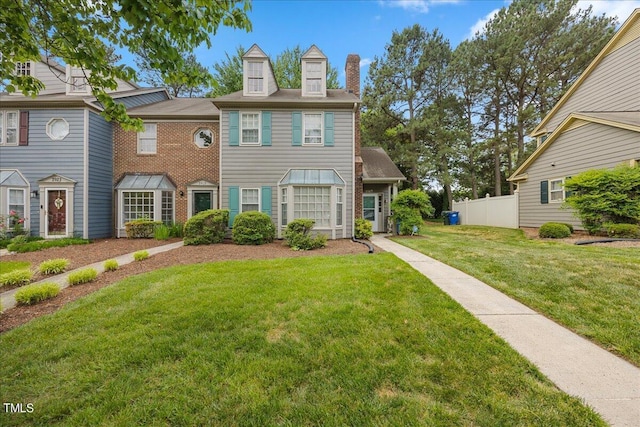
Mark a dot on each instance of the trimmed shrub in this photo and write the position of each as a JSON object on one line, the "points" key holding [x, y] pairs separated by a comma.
{"points": [[601, 196], [411, 208], [140, 255], [53, 266], [554, 230], [161, 232], [36, 243], [623, 231], [298, 235], [110, 265], [141, 228], [82, 276], [206, 227], [36, 293], [16, 278], [253, 228], [363, 229]]}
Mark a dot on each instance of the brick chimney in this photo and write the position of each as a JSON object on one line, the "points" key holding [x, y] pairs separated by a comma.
{"points": [[352, 77]]}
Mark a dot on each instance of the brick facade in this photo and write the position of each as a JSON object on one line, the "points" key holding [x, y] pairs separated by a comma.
{"points": [[352, 77], [176, 155]]}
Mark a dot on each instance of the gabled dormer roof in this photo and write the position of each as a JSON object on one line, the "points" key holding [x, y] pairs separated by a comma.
{"points": [[314, 73], [314, 53], [258, 78], [628, 32]]}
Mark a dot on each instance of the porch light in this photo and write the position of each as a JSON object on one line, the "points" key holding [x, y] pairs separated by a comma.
{"points": [[34, 194]]}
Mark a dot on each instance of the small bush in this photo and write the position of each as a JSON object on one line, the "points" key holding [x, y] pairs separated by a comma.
{"points": [[141, 228], [53, 266], [161, 232], [36, 243], [569, 226], [82, 276], [411, 208], [623, 231], [253, 228], [206, 227], [36, 293], [140, 255], [363, 229], [298, 235], [16, 278], [110, 265], [554, 230]]}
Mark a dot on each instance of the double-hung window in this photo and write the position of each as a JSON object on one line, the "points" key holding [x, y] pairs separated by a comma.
{"points": [[255, 78], [556, 190], [23, 68], [148, 140], [314, 77], [137, 204], [16, 203], [8, 127], [250, 199], [250, 129], [312, 128]]}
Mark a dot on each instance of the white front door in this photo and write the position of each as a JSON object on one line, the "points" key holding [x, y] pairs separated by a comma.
{"points": [[371, 210]]}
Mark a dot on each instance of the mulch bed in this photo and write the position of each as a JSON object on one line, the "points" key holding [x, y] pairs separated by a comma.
{"points": [[81, 255]]}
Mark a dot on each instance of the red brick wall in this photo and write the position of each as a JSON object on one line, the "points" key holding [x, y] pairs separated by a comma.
{"points": [[352, 74], [176, 155]]}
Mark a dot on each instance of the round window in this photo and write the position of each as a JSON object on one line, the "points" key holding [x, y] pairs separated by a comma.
{"points": [[57, 129], [203, 137]]}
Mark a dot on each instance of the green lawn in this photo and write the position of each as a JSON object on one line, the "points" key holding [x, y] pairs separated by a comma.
{"points": [[592, 290], [9, 266], [352, 340]]}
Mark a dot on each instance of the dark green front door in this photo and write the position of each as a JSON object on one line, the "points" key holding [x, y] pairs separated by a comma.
{"points": [[201, 201]]}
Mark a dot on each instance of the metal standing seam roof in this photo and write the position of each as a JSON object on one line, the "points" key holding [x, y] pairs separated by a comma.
{"points": [[312, 177], [145, 182], [12, 178]]}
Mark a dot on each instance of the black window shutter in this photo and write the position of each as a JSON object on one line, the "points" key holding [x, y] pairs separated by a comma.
{"points": [[23, 135], [544, 192]]}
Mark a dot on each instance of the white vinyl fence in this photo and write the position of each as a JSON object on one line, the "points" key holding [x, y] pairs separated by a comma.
{"points": [[493, 211]]}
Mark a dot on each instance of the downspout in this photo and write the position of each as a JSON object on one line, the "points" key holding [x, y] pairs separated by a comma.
{"points": [[363, 242]]}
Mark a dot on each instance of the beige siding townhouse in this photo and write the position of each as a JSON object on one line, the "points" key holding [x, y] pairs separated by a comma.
{"points": [[595, 125]]}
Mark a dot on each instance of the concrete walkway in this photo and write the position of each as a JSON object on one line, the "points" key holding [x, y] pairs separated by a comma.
{"points": [[8, 298], [578, 367]]}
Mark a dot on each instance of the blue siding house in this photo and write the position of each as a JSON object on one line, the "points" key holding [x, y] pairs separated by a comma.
{"points": [[56, 161]]}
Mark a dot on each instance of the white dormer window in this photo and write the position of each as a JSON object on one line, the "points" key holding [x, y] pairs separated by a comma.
{"points": [[24, 68], [255, 77], [314, 77], [314, 73], [77, 81]]}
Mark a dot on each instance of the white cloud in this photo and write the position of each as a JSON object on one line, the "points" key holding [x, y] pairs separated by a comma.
{"points": [[419, 6], [620, 8], [364, 62], [479, 26]]}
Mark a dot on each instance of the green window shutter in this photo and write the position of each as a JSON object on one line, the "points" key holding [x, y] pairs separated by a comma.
{"points": [[296, 128], [544, 192], [234, 203], [266, 128], [328, 129], [266, 200], [234, 128]]}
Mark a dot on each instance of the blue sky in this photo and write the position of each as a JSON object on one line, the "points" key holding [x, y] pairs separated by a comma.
{"points": [[362, 26]]}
